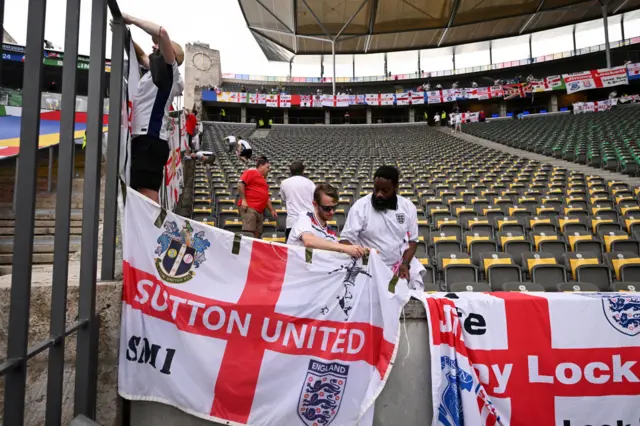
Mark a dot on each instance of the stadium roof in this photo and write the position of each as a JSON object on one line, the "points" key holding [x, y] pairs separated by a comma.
{"points": [[283, 28]]}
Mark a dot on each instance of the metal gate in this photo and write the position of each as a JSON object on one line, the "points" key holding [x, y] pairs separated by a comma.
{"points": [[86, 327]]}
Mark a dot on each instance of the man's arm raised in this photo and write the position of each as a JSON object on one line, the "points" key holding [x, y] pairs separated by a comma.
{"points": [[158, 33]]}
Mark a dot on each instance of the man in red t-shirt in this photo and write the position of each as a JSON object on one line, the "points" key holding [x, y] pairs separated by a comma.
{"points": [[192, 123], [254, 197]]}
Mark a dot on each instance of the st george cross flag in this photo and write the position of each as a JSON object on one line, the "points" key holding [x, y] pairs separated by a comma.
{"points": [[513, 358], [434, 97], [595, 79], [242, 331], [372, 99], [285, 101], [633, 70]]}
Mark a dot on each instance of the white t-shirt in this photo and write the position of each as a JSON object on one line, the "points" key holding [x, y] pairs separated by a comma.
{"points": [[297, 194], [458, 119], [436, 118], [151, 106], [231, 139], [389, 232], [308, 223], [245, 144]]}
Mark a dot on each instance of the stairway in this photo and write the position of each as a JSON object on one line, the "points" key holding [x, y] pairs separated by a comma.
{"points": [[44, 227], [260, 134]]}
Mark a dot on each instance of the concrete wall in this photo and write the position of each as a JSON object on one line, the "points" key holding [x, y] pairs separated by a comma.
{"points": [[108, 304], [405, 400], [202, 68]]}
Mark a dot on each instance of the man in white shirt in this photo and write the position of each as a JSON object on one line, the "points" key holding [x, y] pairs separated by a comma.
{"points": [[311, 229], [244, 151], [297, 194], [388, 223], [154, 94], [231, 141], [458, 123]]}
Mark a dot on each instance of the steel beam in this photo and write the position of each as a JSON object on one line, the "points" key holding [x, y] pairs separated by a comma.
{"points": [[85, 380], [274, 16], [623, 4], [316, 18], [350, 19], [454, 10], [294, 9], [107, 269], [372, 22], [25, 207], [333, 57], [64, 191], [526, 24], [267, 30], [605, 22]]}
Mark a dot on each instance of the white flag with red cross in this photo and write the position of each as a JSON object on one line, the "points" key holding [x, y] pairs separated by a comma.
{"points": [[241, 331], [562, 359]]}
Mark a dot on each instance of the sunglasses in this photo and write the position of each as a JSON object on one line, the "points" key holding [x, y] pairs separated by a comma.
{"points": [[328, 209]]}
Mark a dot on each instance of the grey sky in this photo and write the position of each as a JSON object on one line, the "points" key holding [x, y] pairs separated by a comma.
{"points": [[217, 22]]}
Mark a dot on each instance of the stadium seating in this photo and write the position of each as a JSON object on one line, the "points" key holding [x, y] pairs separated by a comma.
{"points": [[487, 219], [609, 139]]}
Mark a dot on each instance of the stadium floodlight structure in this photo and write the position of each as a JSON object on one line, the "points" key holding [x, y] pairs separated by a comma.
{"points": [[286, 28]]}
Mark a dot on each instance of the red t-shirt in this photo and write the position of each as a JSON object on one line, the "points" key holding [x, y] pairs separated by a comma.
{"points": [[256, 189], [192, 121]]}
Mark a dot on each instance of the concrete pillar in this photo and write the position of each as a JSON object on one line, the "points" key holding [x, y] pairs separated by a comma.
{"points": [[327, 117], [503, 109], [243, 114], [412, 115], [553, 103], [369, 120], [285, 119]]}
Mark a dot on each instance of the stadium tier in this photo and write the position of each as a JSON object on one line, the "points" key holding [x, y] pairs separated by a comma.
{"points": [[609, 139], [488, 220]]}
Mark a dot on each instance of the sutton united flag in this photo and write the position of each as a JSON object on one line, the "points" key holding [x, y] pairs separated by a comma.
{"points": [[512, 358], [250, 332]]}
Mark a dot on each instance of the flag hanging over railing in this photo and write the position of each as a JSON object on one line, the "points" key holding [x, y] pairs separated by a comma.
{"points": [[241, 331]]}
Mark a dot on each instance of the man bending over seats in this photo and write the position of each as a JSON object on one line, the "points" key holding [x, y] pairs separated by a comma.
{"points": [[388, 223], [311, 229]]}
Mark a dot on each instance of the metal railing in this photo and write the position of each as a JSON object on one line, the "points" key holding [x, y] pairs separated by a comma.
{"points": [[14, 368]]}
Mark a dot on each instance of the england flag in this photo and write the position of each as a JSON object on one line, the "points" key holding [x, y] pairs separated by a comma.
{"points": [[245, 332]]}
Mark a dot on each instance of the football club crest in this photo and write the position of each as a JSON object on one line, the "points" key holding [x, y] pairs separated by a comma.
{"points": [[458, 380], [400, 218], [179, 252], [322, 392], [621, 311]]}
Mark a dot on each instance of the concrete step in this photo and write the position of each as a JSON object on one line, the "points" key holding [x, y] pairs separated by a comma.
{"points": [[41, 244], [9, 223], [41, 230], [41, 214], [38, 258]]}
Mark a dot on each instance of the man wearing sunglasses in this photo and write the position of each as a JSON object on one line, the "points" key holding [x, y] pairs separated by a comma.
{"points": [[312, 231], [388, 223]]}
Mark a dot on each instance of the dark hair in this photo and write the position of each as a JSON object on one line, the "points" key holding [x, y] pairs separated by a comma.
{"points": [[262, 160], [194, 111], [326, 189], [296, 168], [388, 172]]}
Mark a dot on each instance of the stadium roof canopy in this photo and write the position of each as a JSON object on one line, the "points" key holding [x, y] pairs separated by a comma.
{"points": [[283, 28]]}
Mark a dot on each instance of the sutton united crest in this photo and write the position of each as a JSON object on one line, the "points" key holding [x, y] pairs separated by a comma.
{"points": [[179, 252]]}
